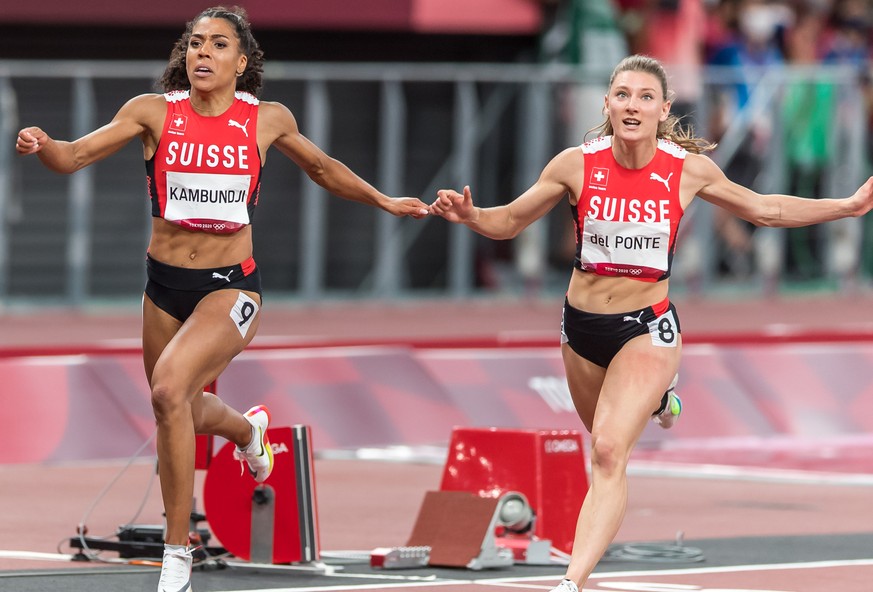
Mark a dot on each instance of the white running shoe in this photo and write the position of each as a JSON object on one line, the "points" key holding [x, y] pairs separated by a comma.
{"points": [[258, 454], [566, 586], [176, 570], [671, 407]]}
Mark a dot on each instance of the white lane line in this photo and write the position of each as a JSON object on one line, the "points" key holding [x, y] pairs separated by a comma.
{"points": [[528, 582]]}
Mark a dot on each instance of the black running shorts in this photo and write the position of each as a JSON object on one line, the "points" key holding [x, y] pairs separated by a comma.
{"points": [[599, 337], [178, 290]]}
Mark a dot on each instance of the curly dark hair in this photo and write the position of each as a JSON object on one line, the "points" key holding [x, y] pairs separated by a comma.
{"points": [[175, 76]]}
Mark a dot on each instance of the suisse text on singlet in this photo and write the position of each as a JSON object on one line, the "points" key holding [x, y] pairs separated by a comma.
{"points": [[631, 233]]}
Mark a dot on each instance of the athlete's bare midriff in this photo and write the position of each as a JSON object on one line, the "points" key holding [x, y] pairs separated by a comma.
{"points": [[612, 295], [177, 246]]}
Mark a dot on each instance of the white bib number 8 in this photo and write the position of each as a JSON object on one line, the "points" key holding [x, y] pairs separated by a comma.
{"points": [[663, 330]]}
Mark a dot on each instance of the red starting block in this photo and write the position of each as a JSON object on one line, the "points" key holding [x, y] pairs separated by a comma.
{"points": [[546, 466], [273, 522]]}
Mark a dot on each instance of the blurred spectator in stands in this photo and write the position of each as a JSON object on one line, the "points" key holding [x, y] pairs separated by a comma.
{"points": [[671, 31], [850, 36], [850, 43], [808, 107], [586, 33], [755, 37], [720, 14], [583, 33], [753, 43]]}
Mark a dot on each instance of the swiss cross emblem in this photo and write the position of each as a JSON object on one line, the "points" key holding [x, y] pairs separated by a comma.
{"points": [[178, 123], [599, 177]]}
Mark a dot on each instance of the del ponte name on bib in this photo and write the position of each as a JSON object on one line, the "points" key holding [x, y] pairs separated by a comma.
{"points": [[626, 242]]}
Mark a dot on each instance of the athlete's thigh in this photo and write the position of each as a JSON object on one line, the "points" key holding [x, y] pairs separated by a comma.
{"points": [[584, 378], [158, 328], [636, 380], [220, 327]]}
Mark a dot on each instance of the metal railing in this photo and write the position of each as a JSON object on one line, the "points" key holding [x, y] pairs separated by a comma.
{"points": [[426, 126]]}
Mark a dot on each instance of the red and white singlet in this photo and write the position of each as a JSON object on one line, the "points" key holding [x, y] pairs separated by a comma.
{"points": [[205, 174], [626, 219]]}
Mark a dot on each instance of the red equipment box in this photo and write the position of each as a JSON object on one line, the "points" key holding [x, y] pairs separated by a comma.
{"points": [[547, 466]]}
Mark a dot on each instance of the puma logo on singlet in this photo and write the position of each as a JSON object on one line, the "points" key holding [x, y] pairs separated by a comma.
{"points": [[660, 179], [636, 318], [241, 126], [217, 276]]}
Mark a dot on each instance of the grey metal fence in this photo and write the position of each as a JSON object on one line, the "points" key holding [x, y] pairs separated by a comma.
{"points": [[409, 129]]}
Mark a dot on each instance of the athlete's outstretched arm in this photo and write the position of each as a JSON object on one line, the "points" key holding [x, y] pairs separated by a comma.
{"points": [[776, 210], [278, 127], [506, 221], [137, 117]]}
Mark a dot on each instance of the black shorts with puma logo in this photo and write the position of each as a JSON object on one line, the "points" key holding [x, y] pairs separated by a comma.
{"points": [[178, 290], [599, 337]]}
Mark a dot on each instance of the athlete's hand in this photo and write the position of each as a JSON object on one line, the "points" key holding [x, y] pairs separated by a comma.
{"points": [[30, 140], [407, 206], [864, 197], [453, 206]]}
